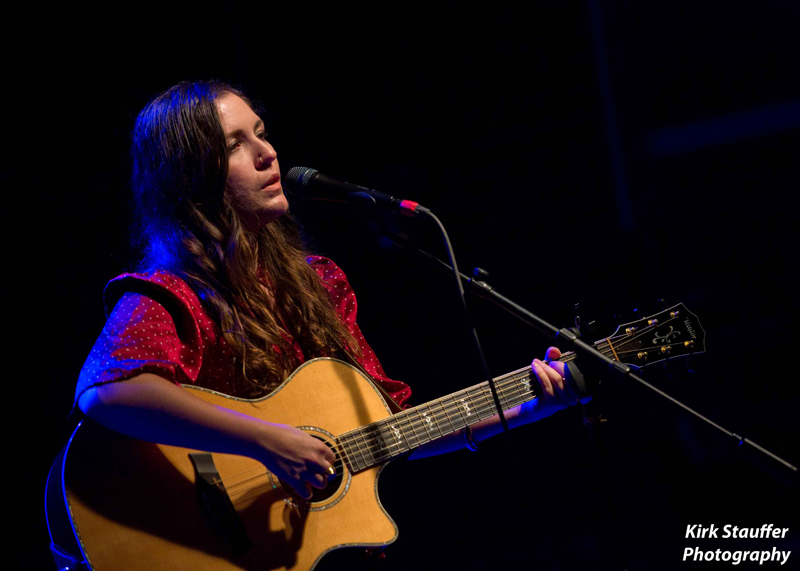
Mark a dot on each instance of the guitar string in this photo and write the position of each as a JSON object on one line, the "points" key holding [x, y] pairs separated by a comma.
{"points": [[639, 332], [334, 448], [339, 460], [351, 437], [626, 338]]}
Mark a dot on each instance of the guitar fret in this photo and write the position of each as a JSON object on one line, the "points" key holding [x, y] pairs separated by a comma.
{"points": [[414, 440], [488, 408], [487, 394], [437, 419], [458, 407], [446, 415], [443, 416], [408, 429], [475, 410], [524, 387], [360, 448], [386, 437], [357, 465], [375, 442], [398, 428], [345, 456], [511, 393], [423, 424], [426, 422], [511, 399], [396, 437], [363, 433]]}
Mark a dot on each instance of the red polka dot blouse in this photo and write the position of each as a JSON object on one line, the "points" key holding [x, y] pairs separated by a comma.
{"points": [[158, 325]]}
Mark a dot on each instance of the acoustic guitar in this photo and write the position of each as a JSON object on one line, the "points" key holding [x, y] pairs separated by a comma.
{"points": [[116, 503]]}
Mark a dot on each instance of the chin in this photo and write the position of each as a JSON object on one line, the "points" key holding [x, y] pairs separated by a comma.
{"points": [[277, 208], [273, 216]]}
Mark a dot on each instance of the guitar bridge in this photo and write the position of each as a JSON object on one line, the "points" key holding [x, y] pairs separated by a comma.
{"points": [[216, 505]]}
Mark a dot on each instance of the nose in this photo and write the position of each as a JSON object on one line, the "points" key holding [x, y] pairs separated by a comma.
{"points": [[265, 155]]}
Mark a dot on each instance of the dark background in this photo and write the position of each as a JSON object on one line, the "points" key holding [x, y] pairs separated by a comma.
{"points": [[603, 152]]}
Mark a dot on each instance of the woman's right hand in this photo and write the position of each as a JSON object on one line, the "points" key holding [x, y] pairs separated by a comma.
{"points": [[297, 458]]}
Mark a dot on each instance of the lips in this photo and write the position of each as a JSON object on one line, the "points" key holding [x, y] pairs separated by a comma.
{"points": [[273, 180]]}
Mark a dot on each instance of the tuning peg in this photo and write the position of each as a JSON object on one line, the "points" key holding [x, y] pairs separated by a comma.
{"points": [[576, 317]]}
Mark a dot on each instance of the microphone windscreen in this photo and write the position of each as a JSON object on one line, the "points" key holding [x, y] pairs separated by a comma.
{"points": [[297, 178]]}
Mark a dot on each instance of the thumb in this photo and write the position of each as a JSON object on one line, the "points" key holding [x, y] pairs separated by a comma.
{"points": [[552, 353]]}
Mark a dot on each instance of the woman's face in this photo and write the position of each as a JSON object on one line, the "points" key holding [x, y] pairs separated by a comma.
{"points": [[254, 181]]}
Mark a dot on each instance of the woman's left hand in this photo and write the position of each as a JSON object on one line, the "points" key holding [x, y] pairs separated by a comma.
{"points": [[556, 393]]}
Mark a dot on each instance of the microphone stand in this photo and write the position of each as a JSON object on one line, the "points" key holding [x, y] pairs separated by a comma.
{"points": [[594, 359], [453, 269]]}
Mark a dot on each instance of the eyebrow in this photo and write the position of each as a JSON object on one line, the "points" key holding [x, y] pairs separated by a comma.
{"points": [[239, 132]]}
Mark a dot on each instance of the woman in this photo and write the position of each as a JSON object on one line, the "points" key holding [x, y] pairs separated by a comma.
{"points": [[228, 299]]}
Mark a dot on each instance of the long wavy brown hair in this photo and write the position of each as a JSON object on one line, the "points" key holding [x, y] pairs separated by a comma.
{"points": [[257, 286]]}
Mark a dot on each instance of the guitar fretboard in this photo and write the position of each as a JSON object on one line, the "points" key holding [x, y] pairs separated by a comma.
{"points": [[381, 441]]}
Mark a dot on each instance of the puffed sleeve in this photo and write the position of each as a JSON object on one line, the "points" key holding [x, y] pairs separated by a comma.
{"points": [[344, 299], [151, 329]]}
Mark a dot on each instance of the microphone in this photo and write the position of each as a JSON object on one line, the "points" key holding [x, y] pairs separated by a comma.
{"points": [[313, 185]]}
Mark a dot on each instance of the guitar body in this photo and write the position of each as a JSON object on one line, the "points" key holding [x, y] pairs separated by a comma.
{"points": [[134, 505]]}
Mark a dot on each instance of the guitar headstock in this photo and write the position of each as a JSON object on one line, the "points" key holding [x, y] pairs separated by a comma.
{"points": [[674, 332]]}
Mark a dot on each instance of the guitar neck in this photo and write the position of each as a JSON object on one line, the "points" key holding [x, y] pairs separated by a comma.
{"points": [[385, 439]]}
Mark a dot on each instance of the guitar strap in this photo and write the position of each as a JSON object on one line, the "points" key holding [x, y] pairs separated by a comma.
{"points": [[63, 545]]}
